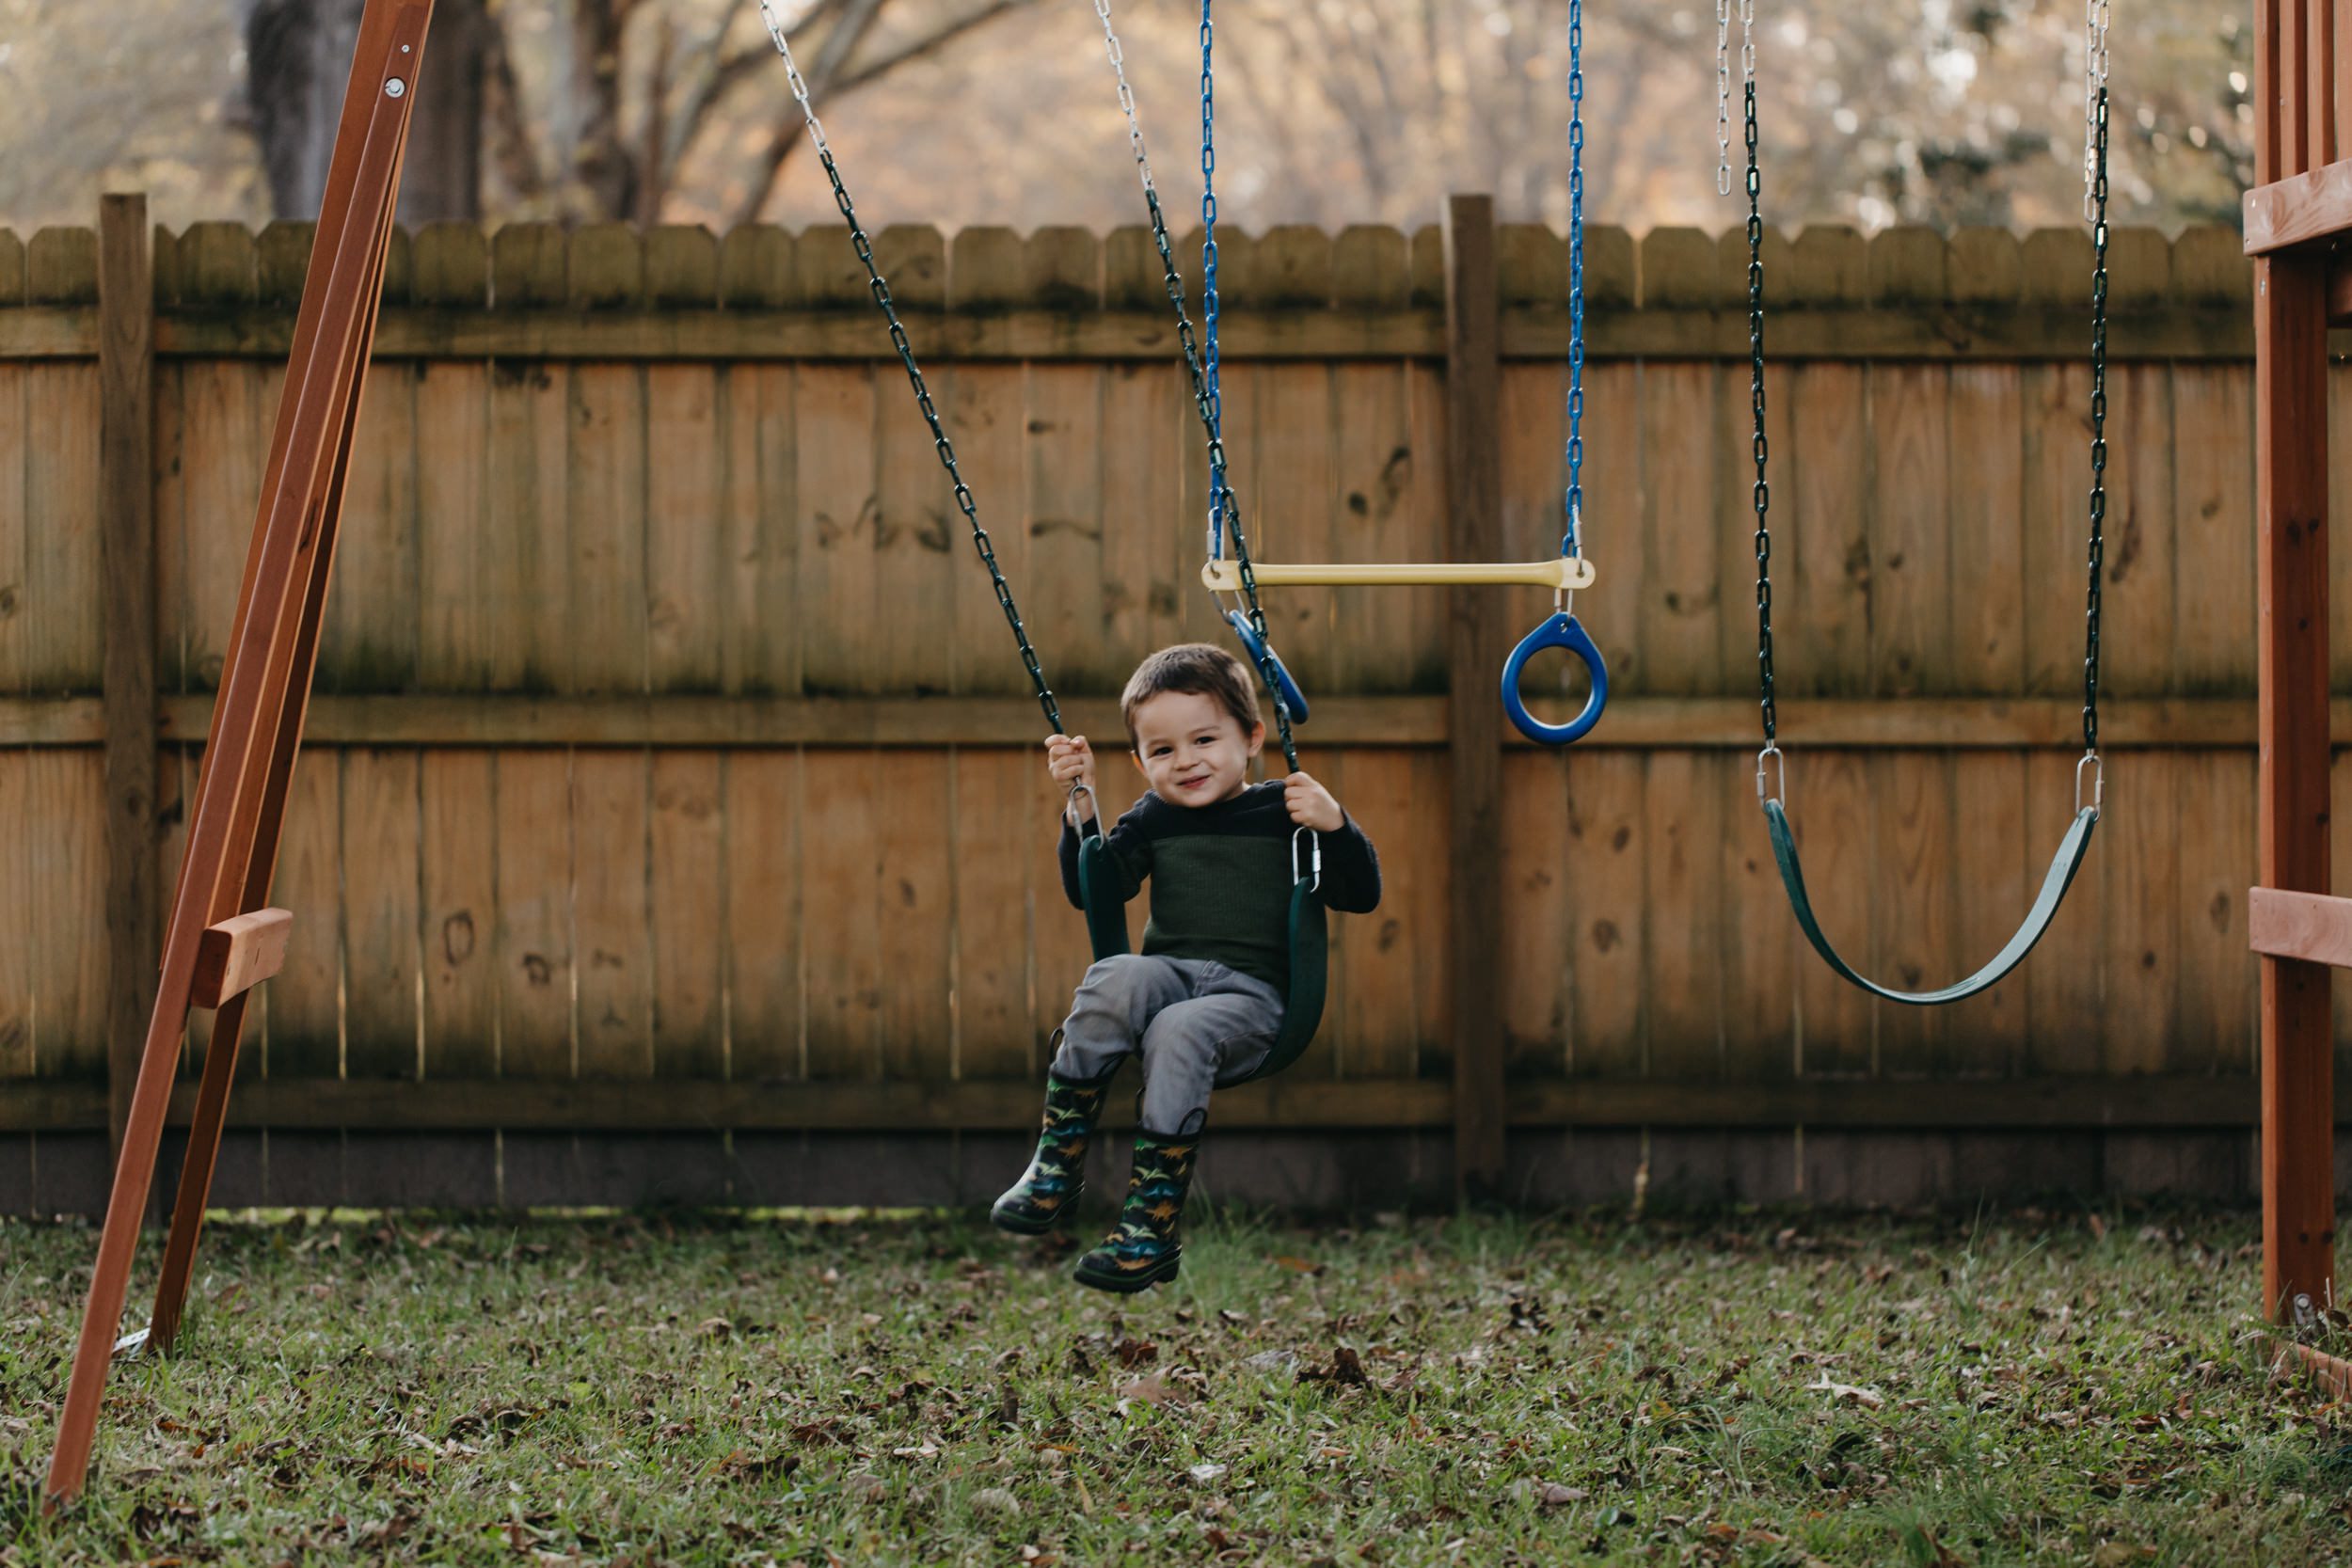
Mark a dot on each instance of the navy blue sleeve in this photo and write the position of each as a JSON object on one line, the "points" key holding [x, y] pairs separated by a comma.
{"points": [[1130, 857], [1351, 870]]}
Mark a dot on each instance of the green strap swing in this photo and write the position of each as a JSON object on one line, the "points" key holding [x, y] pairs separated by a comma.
{"points": [[1309, 928], [1771, 792]]}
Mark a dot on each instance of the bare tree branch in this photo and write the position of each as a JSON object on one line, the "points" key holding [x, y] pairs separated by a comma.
{"points": [[843, 37]]}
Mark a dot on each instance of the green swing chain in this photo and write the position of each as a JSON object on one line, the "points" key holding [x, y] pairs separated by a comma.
{"points": [[2095, 209], [940, 443], [1173, 281]]}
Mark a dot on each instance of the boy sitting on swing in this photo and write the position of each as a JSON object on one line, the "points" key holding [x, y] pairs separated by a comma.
{"points": [[1203, 1002]]}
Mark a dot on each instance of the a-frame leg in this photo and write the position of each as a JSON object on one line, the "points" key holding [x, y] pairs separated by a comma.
{"points": [[251, 724], [220, 1063]]}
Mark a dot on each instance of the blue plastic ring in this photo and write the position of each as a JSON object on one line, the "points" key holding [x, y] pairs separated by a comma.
{"points": [[1292, 698], [1557, 630]]}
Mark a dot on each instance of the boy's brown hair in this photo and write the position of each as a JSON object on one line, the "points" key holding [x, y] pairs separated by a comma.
{"points": [[1201, 669]]}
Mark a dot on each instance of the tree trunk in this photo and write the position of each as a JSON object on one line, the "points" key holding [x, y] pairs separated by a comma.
{"points": [[298, 55]]}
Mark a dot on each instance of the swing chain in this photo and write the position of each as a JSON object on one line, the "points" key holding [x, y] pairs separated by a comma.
{"points": [[1722, 97], [945, 449], [1209, 413], [2095, 16], [1762, 493], [1572, 542], [2098, 197], [1210, 400]]}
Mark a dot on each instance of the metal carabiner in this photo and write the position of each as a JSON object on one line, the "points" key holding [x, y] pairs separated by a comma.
{"points": [[2098, 783], [1779, 789], [1315, 859], [1561, 630]]}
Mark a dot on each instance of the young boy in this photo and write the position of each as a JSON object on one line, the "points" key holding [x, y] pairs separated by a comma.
{"points": [[1203, 1001]]}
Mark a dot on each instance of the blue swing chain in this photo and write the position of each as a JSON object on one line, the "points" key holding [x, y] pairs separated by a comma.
{"points": [[1571, 541], [1212, 401]]}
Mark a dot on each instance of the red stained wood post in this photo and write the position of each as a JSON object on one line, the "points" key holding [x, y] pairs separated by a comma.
{"points": [[126, 377], [1475, 651], [257, 718], [2301, 204]]}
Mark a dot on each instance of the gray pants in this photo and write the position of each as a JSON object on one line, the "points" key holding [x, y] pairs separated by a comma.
{"points": [[1197, 1024]]}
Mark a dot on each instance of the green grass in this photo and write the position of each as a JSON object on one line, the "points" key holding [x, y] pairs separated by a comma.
{"points": [[1737, 1389]]}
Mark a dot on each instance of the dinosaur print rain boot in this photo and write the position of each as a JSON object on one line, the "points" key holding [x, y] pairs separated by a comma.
{"points": [[1050, 1187], [1145, 1247]]}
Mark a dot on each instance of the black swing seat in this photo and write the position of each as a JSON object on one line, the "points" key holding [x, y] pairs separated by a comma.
{"points": [[2063, 866], [1310, 944]]}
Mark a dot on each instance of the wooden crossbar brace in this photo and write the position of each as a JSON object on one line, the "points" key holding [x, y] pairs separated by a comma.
{"points": [[1565, 572], [239, 813], [237, 954]]}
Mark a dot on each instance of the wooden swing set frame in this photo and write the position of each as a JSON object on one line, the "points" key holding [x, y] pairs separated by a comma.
{"points": [[221, 938], [2298, 230]]}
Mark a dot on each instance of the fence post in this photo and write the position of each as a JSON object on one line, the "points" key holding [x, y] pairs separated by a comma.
{"points": [[1473, 715], [126, 366]]}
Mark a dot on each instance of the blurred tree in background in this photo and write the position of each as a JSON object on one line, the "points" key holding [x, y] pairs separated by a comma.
{"points": [[957, 112]]}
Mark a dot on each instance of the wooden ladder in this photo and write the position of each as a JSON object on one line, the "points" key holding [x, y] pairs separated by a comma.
{"points": [[220, 939]]}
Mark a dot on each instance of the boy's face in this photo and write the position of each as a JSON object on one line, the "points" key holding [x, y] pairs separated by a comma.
{"points": [[1192, 750]]}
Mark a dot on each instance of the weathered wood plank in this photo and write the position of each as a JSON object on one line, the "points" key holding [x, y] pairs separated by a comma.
{"points": [[685, 476], [608, 524], [612, 913], [302, 1006], [764, 918], [1681, 611], [915, 916], [459, 906], [382, 922], [688, 912], [834, 437], [1006, 887], [465, 548], [840, 838], [370, 639], [533, 931]]}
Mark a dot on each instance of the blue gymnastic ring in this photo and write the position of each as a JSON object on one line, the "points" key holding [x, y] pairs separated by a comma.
{"points": [[1557, 630], [1262, 652]]}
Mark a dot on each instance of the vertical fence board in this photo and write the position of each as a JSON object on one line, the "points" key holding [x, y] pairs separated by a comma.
{"points": [[2139, 621], [21, 975], [469, 598], [984, 408], [840, 818], [16, 529], [1060, 508], [916, 928], [607, 515], [381, 844], [1682, 611], [2066, 998], [67, 800], [1609, 845], [688, 901], [1542, 892], [370, 639], [1004, 835], [1834, 812], [1376, 633], [535, 946], [1912, 544], [526, 583], [1146, 545], [1986, 519], [1687, 792], [611, 912], [764, 920], [59, 604], [2213, 526], [460, 905], [1820, 512], [2220, 981], [303, 1000], [2142, 861], [685, 483]]}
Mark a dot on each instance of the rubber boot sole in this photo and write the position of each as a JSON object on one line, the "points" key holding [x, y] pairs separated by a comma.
{"points": [[1128, 1284], [1023, 1225]]}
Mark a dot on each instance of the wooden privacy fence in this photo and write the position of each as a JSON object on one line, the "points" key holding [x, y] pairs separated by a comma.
{"points": [[671, 771]]}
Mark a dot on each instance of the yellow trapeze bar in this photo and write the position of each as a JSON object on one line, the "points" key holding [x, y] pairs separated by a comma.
{"points": [[1563, 572]]}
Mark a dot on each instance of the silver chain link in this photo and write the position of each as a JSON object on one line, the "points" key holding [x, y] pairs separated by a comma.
{"points": [[2095, 17], [1722, 97]]}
